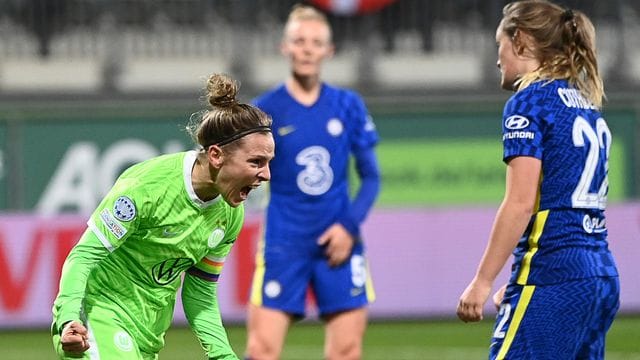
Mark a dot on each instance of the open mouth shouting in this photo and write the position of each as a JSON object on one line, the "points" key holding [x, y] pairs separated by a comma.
{"points": [[244, 192]]}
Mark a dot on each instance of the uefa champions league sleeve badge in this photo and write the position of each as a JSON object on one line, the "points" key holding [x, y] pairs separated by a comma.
{"points": [[124, 209]]}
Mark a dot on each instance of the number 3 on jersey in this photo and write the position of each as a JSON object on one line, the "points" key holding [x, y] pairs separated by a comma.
{"points": [[317, 176], [598, 139]]}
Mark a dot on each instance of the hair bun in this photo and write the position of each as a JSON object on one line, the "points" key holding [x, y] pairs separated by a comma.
{"points": [[222, 91], [568, 15]]}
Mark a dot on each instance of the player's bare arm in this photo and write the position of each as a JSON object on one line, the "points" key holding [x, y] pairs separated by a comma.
{"points": [[512, 218]]}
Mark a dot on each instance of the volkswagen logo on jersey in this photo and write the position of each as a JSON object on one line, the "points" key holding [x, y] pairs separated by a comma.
{"points": [[516, 122], [124, 209], [167, 271], [123, 341]]}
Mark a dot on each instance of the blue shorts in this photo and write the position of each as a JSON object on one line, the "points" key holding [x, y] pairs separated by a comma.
{"points": [[568, 320], [282, 279]]}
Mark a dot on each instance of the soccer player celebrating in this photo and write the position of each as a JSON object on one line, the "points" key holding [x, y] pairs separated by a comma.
{"points": [[163, 217], [563, 292], [312, 236]]}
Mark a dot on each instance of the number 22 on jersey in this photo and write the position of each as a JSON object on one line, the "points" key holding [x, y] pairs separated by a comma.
{"points": [[596, 139]]}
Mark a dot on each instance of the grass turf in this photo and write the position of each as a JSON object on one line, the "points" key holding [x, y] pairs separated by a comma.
{"points": [[405, 340]]}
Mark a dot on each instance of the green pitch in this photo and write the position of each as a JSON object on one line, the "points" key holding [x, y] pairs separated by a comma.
{"points": [[415, 340]]}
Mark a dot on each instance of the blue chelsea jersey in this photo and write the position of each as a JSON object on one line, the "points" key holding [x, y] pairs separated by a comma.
{"points": [[309, 187], [567, 236]]}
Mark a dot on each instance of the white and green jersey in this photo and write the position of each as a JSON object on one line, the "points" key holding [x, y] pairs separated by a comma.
{"points": [[155, 228]]}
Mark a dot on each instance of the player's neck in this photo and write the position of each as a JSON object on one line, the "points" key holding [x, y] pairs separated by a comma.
{"points": [[202, 180], [305, 90]]}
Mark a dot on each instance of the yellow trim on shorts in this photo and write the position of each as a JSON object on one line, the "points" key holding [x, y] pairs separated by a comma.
{"points": [[523, 303], [534, 237], [258, 276], [371, 293]]}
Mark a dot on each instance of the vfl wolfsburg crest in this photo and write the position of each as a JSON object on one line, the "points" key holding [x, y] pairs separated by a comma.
{"points": [[165, 272]]}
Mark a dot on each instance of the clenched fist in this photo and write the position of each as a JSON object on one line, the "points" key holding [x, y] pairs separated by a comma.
{"points": [[74, 338]]}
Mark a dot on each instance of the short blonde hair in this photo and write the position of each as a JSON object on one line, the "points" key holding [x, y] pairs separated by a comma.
{"points": [[301, 12]]}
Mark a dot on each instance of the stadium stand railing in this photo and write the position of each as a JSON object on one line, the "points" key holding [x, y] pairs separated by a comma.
{"points": [[127, 44]]}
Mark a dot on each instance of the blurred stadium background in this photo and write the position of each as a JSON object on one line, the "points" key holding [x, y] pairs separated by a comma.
{"points": [[88, 87]]}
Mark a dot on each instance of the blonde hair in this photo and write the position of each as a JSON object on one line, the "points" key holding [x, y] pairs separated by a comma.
{"points": [[565, 45], [301, 12], [226, 121]]}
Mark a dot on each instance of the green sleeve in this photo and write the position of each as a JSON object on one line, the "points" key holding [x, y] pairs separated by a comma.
{"points": [[200, 303], [75, 272]]}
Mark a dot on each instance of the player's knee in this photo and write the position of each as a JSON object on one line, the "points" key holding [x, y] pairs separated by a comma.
{"points": [[344, 350], [259, 348]]}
